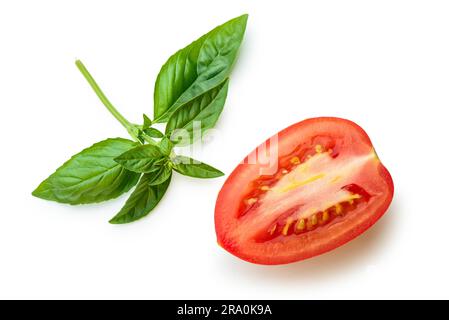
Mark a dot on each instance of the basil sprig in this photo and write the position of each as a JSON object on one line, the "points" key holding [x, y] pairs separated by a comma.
{"points": [[191, 88]]}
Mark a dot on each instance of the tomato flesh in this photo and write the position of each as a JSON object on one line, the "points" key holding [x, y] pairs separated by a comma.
{"points": [[326, 187]]}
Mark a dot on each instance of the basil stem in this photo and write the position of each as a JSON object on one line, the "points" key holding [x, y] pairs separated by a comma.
{"points": [[132, 130]]}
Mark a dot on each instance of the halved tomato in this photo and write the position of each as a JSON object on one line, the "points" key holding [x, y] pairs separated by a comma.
{"points": [[325, 187]]}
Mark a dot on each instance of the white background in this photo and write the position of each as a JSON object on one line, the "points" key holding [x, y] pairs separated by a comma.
{"points": [[382, 64]]}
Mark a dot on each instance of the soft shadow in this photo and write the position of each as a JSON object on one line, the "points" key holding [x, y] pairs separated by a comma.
{"points": [[354, 255]]}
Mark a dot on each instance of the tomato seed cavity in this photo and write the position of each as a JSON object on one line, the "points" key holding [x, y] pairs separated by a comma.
{"points": [[319, 144], [287, 226]]}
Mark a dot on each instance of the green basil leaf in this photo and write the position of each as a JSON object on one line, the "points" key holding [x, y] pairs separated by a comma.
{"points": [[146, 122], [153, 133], [142, 159], [197, 68], [205, 110], [90, 176], [161, 175], [143, 199], [140, 137], [166, 146], [193, 168]]}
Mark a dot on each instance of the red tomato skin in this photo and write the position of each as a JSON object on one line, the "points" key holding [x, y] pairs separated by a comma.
{"points": [[225, 208]]}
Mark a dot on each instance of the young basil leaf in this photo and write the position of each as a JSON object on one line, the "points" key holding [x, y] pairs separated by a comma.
{"points": [[142, 159], [153, 133], [166, 146], [91, 175], [193, 168], [161, 175], [146, 122], [140, 137], [197, 68], [205, 110], [143, 199]]}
